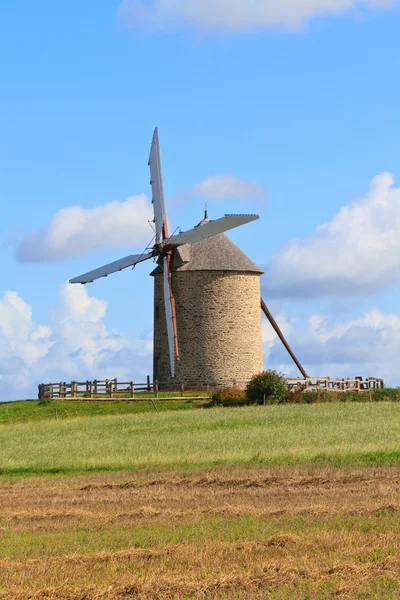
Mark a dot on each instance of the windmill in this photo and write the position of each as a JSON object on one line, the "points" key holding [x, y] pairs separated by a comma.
{"points": [[168, 249]]}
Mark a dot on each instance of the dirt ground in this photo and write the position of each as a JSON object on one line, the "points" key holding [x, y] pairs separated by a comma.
{"points": [[245, 532]]}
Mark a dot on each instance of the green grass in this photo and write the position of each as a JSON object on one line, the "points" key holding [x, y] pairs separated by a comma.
{"points": [[288, 434], [37, 544], [373, 395], [24, 410]]}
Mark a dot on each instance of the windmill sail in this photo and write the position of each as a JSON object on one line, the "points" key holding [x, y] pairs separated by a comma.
{"points": [[118, 265], [157, 187], [206, 230], [169, 304]]}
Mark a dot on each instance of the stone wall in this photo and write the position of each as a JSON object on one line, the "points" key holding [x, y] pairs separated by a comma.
{"points": [[219, 327]]}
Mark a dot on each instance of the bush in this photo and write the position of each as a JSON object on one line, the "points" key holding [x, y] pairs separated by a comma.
{"points": [[44, 402], [269, 385], [324, 396], [295, 395], [229, 397], [385, 395]]}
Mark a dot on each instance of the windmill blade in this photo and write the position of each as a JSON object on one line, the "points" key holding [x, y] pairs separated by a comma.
{"points": [[118, 265], [278, 331], [170, 313], [157, 187], [206, 230]]}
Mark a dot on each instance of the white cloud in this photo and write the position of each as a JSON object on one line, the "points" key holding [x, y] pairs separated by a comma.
{"points": [[223, 186], [75, 346], [228, 187], [20, 337], [75, 231], [268, 333], [356, 253], [239, 15], [368, 346]]}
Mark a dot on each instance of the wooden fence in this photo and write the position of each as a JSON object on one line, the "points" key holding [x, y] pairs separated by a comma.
{"points": [[109, 389], [337, 385], [106, 388]]}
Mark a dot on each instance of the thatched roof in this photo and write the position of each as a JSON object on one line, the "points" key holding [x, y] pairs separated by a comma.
{"points": [[217, 253]]}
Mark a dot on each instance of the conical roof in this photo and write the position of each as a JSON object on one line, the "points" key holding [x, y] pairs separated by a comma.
{"points": [[217, 253]]}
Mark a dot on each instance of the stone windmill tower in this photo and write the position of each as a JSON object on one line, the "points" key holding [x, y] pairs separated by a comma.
{"points": [[207, 318], [218, 316]]}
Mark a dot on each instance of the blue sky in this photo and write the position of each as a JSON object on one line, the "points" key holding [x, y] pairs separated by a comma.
{"points": [[301, 103]]}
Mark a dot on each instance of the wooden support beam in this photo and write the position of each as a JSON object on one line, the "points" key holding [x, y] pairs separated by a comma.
{"points": [[278, 331]]}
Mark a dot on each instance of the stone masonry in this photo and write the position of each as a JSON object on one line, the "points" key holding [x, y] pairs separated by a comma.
{"points": [[219, 326]]}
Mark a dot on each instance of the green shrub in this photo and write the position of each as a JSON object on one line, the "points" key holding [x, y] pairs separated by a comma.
{"points": [[44, 402], [295, 395], [324, 396], [269, 385], [385, 395], [229, 397]]}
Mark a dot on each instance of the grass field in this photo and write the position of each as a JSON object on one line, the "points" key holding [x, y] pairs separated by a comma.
{"points": [[28, 410], [278, 502], [274, 435]]}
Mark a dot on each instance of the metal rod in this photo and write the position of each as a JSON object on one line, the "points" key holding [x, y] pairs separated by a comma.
{"points": [[278, 331]]}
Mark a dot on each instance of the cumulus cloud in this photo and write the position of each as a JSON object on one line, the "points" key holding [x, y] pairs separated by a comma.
{"points": [[20, 337], [239, 15], [356, 253], [228, 187], [75, 231], [75, 345], [224, 186], [368, 346]]}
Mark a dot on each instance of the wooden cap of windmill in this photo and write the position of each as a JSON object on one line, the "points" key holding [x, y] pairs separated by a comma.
{"points": [[217, 253]]}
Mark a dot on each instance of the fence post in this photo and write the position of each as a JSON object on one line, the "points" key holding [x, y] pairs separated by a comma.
{"points": [[148, 383], [91, 386], [95, 386], [73, 389], [40, 391], [132, 390], [156, 388]]}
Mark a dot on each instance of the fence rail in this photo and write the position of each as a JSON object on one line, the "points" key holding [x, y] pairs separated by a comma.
{"points": [[109, 389], [336, 385]]}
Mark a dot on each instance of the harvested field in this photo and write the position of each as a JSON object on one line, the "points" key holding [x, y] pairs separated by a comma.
{"points": [[223, 532]]}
